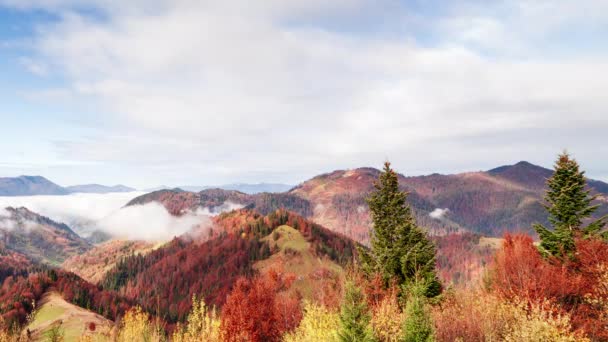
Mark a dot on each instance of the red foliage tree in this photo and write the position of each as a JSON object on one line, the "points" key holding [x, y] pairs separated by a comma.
{"points": [[521, 272], [460, 258], [577, 287], [256, 310], [210, 268]]}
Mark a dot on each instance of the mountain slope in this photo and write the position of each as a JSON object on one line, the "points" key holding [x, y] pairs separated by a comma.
{"points": [[28, 186], [38, 185], [178, 201], [73, 321], [211, 266], [95, 263], [339, 202], [98, 189], [38, 237], [242, 187], [316, 277], [25, 286], [524, 173], [508, 198]]}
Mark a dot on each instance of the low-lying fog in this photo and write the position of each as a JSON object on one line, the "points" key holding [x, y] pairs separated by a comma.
{"points": [[85, 213]]}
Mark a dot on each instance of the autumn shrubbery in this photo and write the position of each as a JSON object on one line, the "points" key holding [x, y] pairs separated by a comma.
{"points": [[526, 297], [576, 287], [137, 325], [521, 272], [203, 324], [319, 323], [531, 297], [260, 309], [484, 316]]}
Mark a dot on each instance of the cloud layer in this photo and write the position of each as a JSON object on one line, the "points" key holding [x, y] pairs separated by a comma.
{"points": [[282, 90], [88, 212]]}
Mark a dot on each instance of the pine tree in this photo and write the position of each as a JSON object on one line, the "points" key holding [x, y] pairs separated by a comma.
{"points": [[569, 205], [417, 326], [400, 250], [354, 316]]}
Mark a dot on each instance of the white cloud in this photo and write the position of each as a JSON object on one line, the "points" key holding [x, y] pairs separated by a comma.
{"points": [[227, 89], [88, 212], [5, 222], [150, 221], [74, 209], [439, 213]]}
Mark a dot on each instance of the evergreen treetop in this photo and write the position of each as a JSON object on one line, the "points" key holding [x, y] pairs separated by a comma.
{"points": [[418, 325], [400, 250], [354, 316], [570, 206]]}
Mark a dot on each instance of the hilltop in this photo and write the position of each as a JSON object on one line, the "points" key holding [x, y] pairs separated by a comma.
{"points": [[29, 185], [98, 188], [178, 201], [244, 241], [95, 263], [504, 199]]}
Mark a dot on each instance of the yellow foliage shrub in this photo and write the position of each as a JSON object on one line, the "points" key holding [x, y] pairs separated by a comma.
{"points": [[479, 316], [5, 335], [318, 325], [598, 297], [539, 323], [136, 326], [85, 338], [202, 325], [387, 320]]}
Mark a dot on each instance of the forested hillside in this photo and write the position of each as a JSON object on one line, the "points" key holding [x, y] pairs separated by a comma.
{"points": [[37, 237], [210, 268]]}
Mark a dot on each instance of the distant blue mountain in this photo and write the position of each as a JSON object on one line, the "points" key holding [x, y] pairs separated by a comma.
{"points": [[243, 187], [38, 185], [98, 188], [29, 185]]}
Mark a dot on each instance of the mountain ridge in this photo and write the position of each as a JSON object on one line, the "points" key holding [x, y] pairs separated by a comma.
{"points": [[98, 188], [507, 198], [28, 186], [39, 185], [38, 237]]}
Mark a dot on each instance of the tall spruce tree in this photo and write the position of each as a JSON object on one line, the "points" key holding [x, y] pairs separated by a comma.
{"points": [[354, 316], [569, 204], [400, 250]]}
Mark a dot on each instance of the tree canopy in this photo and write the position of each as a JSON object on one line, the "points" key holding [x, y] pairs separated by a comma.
{"points": [[570, 206], [400, 249]]}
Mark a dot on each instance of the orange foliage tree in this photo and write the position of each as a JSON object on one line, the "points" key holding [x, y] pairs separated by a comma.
{"points": [[260, 310], [577, 287], [521, 272]]}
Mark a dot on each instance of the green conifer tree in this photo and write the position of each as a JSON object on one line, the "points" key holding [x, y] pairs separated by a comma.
{"points": [[569, 205], [400, 250], [417, 326], [354, 316]]}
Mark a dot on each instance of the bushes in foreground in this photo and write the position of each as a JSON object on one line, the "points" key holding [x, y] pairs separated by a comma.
{"points": [[483, 316]]}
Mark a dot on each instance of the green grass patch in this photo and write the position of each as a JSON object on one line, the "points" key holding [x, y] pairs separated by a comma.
{"points": [[288, 238], [47, 313]]}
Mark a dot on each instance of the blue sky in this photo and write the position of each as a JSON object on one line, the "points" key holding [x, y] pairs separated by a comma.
{"points": [[189, 92]]}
